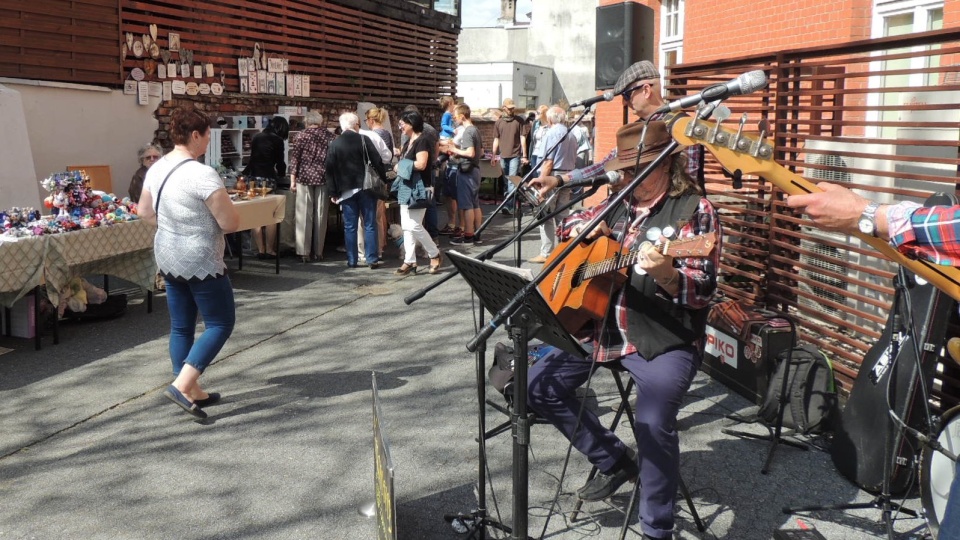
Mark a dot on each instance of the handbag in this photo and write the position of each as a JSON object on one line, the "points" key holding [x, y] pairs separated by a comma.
{"points": [[466, 165], [372, 183]]}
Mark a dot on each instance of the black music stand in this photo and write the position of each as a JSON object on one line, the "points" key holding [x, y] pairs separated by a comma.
{"points": [[496, 285]]}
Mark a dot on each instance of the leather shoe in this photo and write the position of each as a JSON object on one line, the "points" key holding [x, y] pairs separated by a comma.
{"points": [[212, 397], [604, 485]]}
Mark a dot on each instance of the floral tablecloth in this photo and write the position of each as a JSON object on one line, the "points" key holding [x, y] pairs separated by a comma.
{"points": [[124, 250]]}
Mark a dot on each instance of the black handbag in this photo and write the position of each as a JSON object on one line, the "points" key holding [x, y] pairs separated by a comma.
{"points": [[372, 183]]}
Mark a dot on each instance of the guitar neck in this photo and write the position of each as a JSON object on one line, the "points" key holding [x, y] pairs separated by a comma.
{"points": [[751, 156], [697, 246]]}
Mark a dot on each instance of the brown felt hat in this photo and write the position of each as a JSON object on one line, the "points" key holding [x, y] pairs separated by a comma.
{"points": [[628, 138]]}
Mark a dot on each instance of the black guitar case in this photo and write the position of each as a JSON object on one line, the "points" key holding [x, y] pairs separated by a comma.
{"points": [[865, 434]]}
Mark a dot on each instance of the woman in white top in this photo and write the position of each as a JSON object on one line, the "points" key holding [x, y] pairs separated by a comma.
{"points": [[187, 202]]}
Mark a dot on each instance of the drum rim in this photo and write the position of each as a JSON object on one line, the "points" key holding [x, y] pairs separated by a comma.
{"points": [[927, 456]]}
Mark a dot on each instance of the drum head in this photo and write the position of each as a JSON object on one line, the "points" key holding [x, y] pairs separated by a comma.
{"points": [[937, 470]]}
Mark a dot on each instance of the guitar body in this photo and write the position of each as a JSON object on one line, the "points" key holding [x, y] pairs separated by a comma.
{"points": [[577, 300]]}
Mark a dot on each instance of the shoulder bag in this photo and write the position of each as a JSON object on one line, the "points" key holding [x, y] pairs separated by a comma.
{"points": [[372, 183]]}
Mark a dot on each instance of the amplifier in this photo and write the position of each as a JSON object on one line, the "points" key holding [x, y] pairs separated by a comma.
{"points": [[743, 358]]}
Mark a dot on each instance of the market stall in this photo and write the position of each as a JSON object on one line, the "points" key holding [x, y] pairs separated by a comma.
{"points": [[259, 212]]}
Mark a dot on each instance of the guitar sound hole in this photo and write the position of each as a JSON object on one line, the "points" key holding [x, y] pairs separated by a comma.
{"points": [[577, 277]]}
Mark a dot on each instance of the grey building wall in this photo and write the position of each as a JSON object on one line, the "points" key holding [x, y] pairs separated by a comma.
{"points": [[561, 36]]}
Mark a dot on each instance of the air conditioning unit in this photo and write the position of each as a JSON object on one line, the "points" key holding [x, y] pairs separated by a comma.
{"points": [[824, 287]]}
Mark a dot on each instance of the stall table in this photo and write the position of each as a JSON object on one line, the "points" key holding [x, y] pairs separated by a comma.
{"points": [[262, 212], [124, 250]]}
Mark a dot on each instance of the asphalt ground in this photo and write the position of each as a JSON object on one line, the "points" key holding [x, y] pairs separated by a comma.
{"points": [[90, 449]]}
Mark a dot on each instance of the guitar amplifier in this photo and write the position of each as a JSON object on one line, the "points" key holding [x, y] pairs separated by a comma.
{"points": [[742, 344]]}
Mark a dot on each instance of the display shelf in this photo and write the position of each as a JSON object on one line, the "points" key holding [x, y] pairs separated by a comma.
{"points": [[230, 147]]}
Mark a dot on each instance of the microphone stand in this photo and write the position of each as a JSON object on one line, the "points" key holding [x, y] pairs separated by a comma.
{"points": [[512, 199], [478, 520]]}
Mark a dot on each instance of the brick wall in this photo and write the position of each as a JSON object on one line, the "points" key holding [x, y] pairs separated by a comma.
{"points": [[245, 104]]}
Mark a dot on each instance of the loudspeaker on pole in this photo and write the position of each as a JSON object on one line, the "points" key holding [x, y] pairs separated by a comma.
{"points": [[624, 36]]}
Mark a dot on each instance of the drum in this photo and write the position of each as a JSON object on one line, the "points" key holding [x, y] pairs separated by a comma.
{"points": [[937, 470]]}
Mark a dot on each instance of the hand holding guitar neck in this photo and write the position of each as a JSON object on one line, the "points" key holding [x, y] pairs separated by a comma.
{"points": [[736, 151]]}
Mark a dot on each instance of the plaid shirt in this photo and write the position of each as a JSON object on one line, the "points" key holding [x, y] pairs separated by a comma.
{"points": [[931, 234], [697, 282], [308, 160]]}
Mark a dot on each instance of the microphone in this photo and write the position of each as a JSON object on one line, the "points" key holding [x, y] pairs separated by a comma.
{"points": [[606, 96], [611, 177], [744, 84]]}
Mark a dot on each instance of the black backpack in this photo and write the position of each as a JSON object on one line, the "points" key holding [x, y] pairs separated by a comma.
{"points": [[811, 389]]}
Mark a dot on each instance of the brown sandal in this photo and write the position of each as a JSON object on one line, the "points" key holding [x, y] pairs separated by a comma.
{"points": [[406, 269]]}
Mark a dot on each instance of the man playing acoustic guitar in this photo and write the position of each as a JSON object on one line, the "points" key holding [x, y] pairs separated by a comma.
{"points": [[654, 323]]}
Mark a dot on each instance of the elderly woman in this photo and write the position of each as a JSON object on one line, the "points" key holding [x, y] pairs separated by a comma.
{"points": [[420, 150], [307, 171], [188, 203], [147, 155]]}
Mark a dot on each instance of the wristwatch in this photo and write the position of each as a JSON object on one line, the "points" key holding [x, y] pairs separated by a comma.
{"points": [[868, 221]]}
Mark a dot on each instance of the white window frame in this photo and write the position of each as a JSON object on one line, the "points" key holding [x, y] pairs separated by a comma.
{"points": [[671, 44], [882, 9]]}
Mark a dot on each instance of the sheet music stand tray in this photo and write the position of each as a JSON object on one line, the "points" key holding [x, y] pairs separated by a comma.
{"points": [[497, 286]]}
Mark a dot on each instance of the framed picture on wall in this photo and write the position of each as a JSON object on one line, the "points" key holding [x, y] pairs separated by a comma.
{"points": [[173, 42]]}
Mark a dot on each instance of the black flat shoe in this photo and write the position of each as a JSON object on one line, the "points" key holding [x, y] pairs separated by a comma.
{"points": [[181, 400], [212, 398], [604, 485]]}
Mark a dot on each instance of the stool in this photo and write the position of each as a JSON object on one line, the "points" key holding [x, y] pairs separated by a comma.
{"points": [[625, 391]]}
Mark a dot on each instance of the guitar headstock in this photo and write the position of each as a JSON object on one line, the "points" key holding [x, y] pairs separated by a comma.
{"points": [[695, 246], [735, 150]]}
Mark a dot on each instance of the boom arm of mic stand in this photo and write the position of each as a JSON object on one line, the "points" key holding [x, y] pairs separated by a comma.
{"points": [[499, 247]]}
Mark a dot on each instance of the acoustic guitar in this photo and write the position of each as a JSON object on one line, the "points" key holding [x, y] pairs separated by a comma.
{"points": [[735, 150], [578, 289]]}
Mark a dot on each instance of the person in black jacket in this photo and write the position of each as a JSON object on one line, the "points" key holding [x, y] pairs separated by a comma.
{"points": [[267, 165], [344, 176]]}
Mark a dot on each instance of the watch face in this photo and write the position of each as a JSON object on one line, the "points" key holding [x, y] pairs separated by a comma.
{"points": [[866, 226]]}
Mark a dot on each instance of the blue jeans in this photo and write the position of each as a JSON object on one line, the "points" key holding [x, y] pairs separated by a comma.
{"points": [[511, 167], [361, 203], [950, 527], [661, 384], [213, 299]]}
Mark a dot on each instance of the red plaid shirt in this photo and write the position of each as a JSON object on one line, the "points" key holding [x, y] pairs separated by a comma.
{"points": [[932, 234], [309, 156], [698, 276]]}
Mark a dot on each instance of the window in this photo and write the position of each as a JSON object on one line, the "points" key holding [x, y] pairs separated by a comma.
{"points": [[897, 18], [671, 34]]}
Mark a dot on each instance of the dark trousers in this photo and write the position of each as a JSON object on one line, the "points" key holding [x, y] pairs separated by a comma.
{"points": [[661, 384]]}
